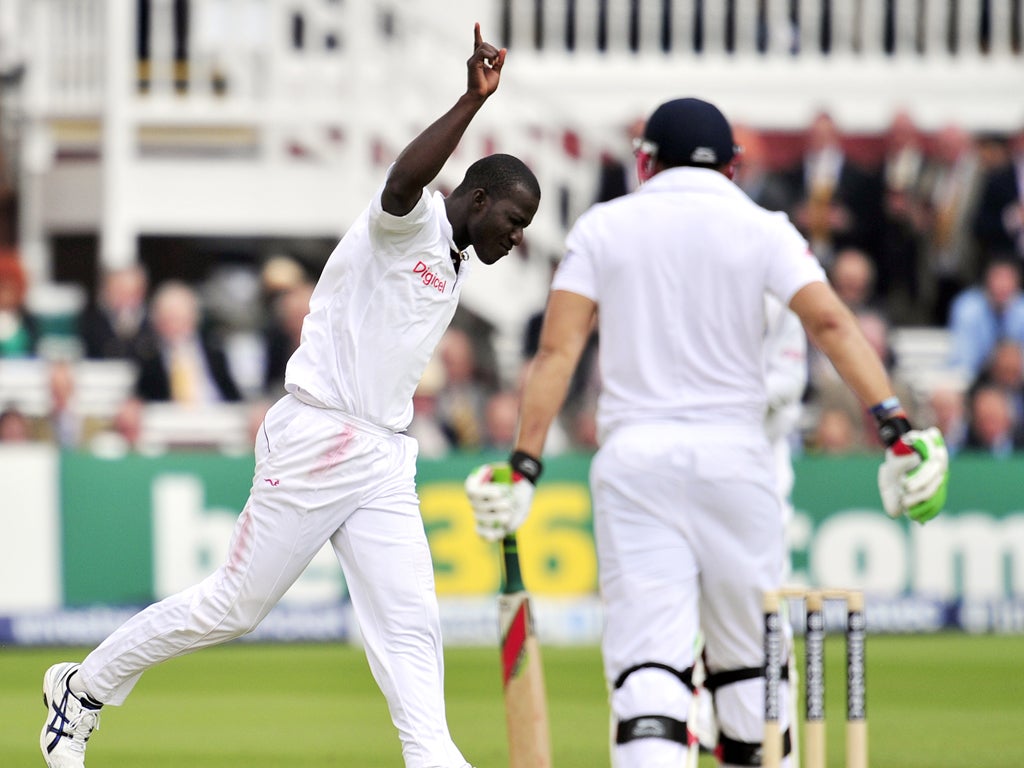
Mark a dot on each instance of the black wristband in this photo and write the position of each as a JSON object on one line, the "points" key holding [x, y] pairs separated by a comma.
{"points": [[526, 465], [892, 429]]}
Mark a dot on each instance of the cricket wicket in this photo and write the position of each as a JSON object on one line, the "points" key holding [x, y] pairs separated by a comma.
{"points": [[813, 752]]}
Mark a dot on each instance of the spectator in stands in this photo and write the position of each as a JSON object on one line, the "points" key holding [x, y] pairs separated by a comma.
{"points": [[1000, 219], [288, 308], [482, 333], [617, 168], [234, 315], [116, 325], [1004, 370], [63, 423], [992, 428], [501, 415], [903, 223], [834, 434], [576, 431], [184, 366], [948, 412], [461, 400], [755, 176], [19, 331], [903, 161], [281, 273], [984, 314], [852, 275], [425, 427], [993, 150], [123, 434], [836, 202], [15, 426], [952, 185]]}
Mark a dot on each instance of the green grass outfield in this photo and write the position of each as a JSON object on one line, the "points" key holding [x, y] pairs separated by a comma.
{"points": [[934, 701]]}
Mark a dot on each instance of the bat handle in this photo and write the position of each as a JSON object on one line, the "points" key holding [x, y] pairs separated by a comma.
{"points": [[510, 559], [513, 577]]}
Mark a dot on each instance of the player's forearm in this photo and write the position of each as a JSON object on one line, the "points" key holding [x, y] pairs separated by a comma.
{"points": [[855, 360], [543, 396], [425, 156], [833, 329], [568, 321]]}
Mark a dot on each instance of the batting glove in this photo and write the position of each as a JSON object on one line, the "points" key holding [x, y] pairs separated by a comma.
{"points": [[501, 493], [914, 477]]}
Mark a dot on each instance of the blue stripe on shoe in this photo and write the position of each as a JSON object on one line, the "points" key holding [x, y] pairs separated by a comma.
{"points": [[59, 719]]}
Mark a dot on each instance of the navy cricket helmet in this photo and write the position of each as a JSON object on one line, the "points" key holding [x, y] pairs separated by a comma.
{"points": [[689, 132]]}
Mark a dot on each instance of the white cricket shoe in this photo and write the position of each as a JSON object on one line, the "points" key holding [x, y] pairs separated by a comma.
{"points": [[69, 722]]}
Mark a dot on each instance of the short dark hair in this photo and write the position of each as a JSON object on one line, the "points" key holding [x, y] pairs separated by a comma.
{"points": [[498, 175]]}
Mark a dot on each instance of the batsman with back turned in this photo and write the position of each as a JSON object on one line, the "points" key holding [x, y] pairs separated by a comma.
{"points": [[686, 516]]}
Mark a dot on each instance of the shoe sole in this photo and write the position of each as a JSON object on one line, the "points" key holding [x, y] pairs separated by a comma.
{"points": [[52, 676]]}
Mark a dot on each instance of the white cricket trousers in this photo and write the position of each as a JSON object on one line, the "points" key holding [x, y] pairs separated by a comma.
{"points": [[689, 535], [320, 476]]}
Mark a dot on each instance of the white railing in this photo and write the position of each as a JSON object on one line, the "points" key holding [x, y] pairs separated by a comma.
{"points": [[763, 28], [186, 54]]}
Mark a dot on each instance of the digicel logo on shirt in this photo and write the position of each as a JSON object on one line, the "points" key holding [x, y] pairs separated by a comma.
{"points": [[429, 278]]}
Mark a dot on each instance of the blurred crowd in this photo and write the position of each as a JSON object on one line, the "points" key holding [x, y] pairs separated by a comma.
{"points": [[926, 230]]}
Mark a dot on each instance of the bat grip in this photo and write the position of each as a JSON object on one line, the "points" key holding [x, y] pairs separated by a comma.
{"points": [[513, 577]]}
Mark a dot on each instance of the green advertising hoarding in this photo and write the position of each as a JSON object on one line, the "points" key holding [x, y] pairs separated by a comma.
{"points": [[973, 551], [124, 520], [137, 528], [109, 512]]}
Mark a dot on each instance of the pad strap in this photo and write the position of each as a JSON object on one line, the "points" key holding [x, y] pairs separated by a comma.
{"points": [[736, 752], [651, 727], [716, 680], [685, 676]]}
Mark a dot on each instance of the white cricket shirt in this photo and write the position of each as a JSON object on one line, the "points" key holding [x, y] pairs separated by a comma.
{"points": [[384, 299], [679, 270]]}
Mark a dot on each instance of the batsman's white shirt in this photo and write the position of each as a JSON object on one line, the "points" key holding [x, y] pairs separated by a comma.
{"points": [[686, 515], [332, 465], [680, 268]]}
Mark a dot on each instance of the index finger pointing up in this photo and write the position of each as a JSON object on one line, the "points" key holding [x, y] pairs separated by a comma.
{"points": [[477, 38]]}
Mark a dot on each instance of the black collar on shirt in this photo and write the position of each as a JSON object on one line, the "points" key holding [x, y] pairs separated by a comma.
{"points": [[457, 259]]}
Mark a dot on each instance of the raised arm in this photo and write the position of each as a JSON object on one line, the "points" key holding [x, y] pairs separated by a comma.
{"points": [[421, 161]]}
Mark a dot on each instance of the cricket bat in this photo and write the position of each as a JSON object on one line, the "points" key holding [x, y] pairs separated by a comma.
{"points": [[526, 710]]}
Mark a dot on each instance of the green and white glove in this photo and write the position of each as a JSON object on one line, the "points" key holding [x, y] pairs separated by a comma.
{"points": [[914, 477], [501, 493]]}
